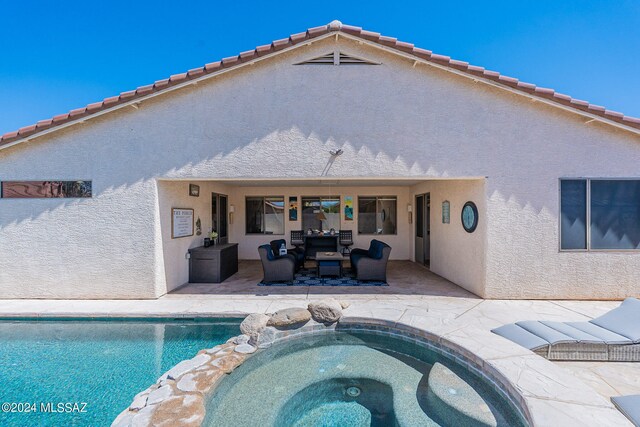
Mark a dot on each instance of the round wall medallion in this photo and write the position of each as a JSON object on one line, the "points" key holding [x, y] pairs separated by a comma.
{"points": [[469, 217]]}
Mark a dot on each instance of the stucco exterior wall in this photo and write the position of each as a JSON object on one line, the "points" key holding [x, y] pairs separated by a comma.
{"points": [[278, 120], [455, 254]]}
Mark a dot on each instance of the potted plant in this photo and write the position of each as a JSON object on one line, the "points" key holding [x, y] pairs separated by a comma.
{"points": [[213, 236]]}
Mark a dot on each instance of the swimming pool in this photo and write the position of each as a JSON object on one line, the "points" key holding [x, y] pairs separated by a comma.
{"points": [[358, 377], [101, 363]]}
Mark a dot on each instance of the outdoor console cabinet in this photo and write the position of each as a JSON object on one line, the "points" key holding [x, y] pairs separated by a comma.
{"points": [[213, 264]]}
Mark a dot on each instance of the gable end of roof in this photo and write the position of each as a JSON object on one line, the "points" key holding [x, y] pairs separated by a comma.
{"points": [[125, 98]]}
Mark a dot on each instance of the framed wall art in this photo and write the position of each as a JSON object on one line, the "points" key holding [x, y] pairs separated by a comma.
{"points": [[181, 222]]}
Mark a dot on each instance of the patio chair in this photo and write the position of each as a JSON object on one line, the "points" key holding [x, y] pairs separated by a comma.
{"points": [[345, 239], [614, 336], [629, 406], [297, 253], [297, 239], [276, 268], [371, 264]]}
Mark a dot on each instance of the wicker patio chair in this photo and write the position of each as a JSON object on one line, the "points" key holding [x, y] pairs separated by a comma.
{"points": [[371, 264], [276, 268], [614, 336]]}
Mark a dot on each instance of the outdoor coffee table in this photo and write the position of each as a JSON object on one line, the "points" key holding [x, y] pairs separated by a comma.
{"points": [[329, 263]]}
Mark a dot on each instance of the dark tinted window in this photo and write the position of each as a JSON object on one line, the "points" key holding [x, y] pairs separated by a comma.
{"points": [[615, 214], [573, 212]]}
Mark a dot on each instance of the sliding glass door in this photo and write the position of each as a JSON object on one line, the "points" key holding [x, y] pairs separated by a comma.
{"points": [[219, 215]]}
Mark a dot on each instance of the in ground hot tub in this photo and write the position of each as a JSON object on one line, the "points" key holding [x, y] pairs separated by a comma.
{"points": [[358, 376]]}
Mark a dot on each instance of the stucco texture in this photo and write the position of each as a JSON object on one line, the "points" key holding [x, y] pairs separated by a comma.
{"points": [[274, 119]]}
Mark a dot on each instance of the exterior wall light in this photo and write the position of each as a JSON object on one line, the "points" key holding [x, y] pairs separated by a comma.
{"points": [[232, 210]]}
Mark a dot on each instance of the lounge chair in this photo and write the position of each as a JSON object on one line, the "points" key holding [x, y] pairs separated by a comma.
{"points": [[614, 336], [371, 264], [629, 406], [276, 268]]}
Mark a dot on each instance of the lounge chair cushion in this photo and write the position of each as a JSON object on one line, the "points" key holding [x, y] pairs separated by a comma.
{"points": [[629, 406], [520, 336], [552, 336], [624, 320], [604, 334], [573, 332]]}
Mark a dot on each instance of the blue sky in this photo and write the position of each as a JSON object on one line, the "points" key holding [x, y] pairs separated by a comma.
{"points": [[63, 55]]}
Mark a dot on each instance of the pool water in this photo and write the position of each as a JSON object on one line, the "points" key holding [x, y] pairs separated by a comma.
{"points": [[357, 378], [103, 363]]}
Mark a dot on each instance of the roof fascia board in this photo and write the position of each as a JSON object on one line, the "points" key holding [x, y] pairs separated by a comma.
{"points": [[165, 91], [415, 59]]}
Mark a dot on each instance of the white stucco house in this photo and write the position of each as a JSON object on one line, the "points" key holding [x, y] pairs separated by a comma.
{"points": [[328, 117]]}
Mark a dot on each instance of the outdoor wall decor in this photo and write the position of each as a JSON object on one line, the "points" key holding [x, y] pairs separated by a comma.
{"points": [[446, 212], [348, 208], [45, 189], [194, 190], [469, 217], [181, 222], [293, 208]]}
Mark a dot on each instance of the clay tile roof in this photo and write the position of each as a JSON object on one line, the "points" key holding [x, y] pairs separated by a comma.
{"points": [[195, 72], [228, 62], [143, 90], [334, 27], [130, 93], [264, 49], [161, 83], [46, 122], [178, 77], [244, 56], [318, 31], [60, 118], [297, 38], [10, 135], [26, 129], [213, 66], [422, 53], [279, 44]]}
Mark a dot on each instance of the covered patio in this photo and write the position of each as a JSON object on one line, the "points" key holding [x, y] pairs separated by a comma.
{"points": [[418, 217]]}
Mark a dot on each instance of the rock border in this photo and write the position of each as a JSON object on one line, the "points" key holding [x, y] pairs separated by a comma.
{"points": [[178, 396]]}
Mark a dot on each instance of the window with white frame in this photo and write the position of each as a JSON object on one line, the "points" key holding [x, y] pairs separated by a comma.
{"points": [[377, 215], [264, 215], [599, 214]]}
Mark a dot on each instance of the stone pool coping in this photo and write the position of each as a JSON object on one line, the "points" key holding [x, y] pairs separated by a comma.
{"points": [[544, 393], [179, 398], [553, 395]]}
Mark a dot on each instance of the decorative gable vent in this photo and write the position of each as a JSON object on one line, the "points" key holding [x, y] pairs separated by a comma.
{"points": [[337, 58]]}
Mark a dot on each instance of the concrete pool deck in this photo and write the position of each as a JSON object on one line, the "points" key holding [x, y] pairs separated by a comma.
{"points": [[564, 393]]}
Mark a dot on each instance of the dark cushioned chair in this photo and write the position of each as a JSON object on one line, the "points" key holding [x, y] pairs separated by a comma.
{"points": [[297, 253], [371, 264], [276, 268]]}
